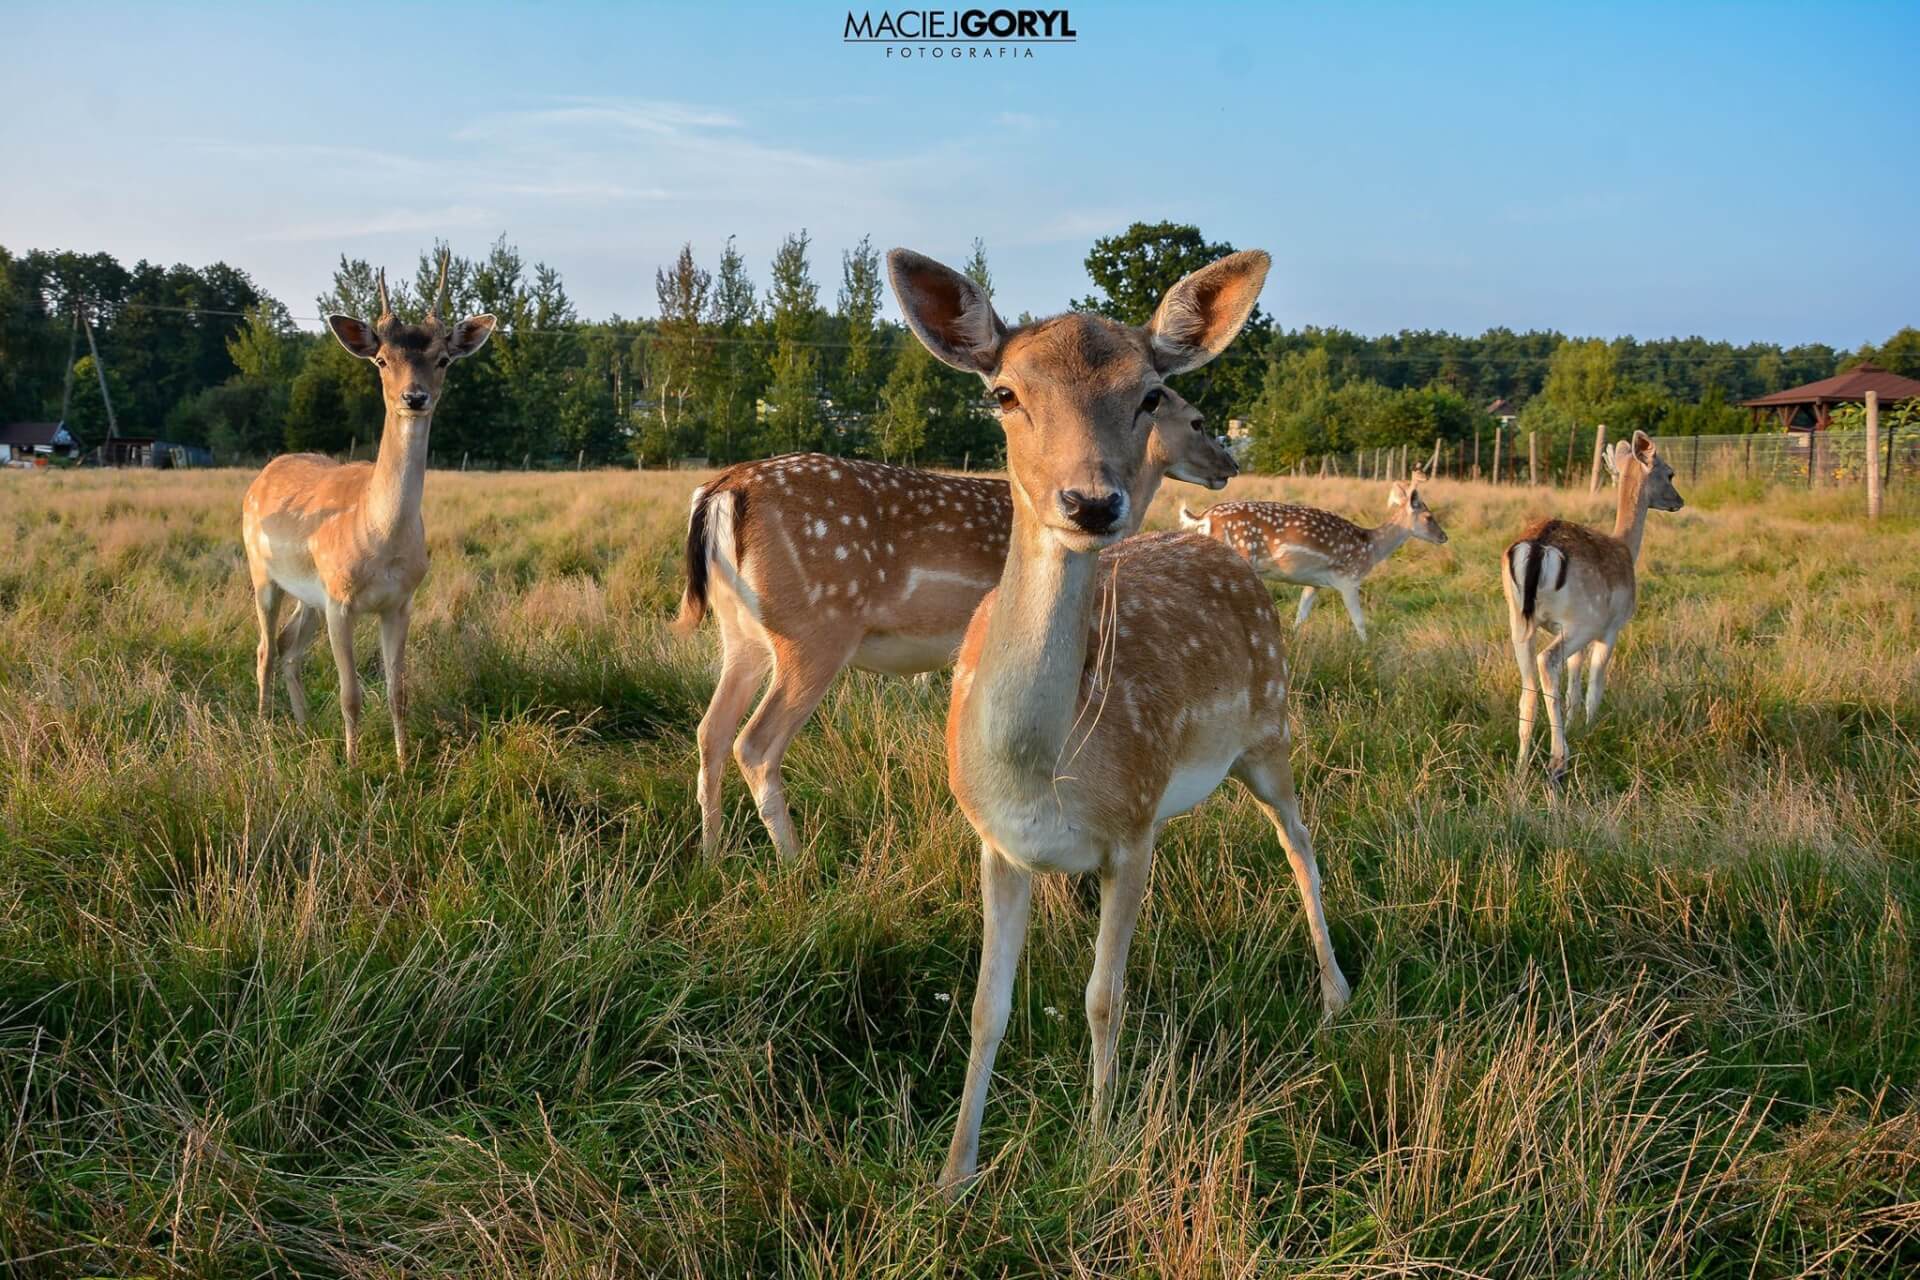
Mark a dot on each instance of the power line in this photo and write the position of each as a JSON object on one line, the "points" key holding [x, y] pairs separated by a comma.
{"points": [[1648, 349]]}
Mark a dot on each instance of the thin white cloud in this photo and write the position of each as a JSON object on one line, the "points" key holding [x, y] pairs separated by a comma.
{"points": [[434, 221]]}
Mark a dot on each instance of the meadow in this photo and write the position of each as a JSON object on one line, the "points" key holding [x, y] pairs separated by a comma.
{"points": [[495, 1016]]}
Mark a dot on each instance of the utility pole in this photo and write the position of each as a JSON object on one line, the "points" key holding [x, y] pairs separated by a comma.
{"points": [[99, 370], [1873, 455]]}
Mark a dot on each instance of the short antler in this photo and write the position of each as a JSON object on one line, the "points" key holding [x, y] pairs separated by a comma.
{"points": [[440, 290], [386, 309]]}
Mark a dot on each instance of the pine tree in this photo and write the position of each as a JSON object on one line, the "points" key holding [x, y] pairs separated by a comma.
{"points": [[793, 412], [859, 307]]}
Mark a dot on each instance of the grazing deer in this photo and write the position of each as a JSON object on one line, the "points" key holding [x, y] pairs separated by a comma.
{"points": [[1101, 689], [346, 539], [812, 564], [1579, 582], [1315, 548]]}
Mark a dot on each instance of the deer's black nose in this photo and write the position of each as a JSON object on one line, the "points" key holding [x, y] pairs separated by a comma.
{"points": [[1094, 514], [415, 399]]}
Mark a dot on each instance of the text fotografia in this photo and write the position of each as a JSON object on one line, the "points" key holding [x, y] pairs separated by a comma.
{"points": [[960, 33]]}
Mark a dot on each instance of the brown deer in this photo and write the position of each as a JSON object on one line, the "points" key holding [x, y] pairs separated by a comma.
{"points": [[812, 564], [1579, 583], [1315, 548], [1101, 689], [346, 539]]}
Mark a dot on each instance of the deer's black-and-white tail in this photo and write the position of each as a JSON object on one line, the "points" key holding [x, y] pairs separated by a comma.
{"points": [[1528, 562], [712, 541]]}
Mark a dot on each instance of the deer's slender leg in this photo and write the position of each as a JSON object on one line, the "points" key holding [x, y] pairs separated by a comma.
{"points": [[1551, 660], [801, 675], [296, 638], [1599, 657], [743, 666], [266, 605], [1268, 773], [1576, 668], [1123, 887], [1306, 606], [393, 660], [1351, 595], [340, 636], [1006, 891], [1529, 688]]}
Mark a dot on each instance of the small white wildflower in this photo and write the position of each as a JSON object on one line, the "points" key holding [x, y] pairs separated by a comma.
{"points": [[1051, 1012], [943, 997]]}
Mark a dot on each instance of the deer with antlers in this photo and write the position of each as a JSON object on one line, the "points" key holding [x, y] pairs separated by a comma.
{"points": [[1314, 548], [1104, 686], [1579, 584], [347, 539], [812, 564]]}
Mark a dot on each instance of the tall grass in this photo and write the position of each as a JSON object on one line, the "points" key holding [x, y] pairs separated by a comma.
{"points": [[494, 1016]]}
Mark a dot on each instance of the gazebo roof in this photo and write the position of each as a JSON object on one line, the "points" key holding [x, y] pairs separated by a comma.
{"points": [[1850, 386]]}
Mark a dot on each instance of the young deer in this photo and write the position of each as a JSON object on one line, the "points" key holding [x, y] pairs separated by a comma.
{"points": [[1101, 689], [1316, 548], [1579, 582], [812, 564], [348, 539]]}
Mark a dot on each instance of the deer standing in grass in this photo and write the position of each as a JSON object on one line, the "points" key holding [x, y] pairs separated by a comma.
{"points": [[346, 539], [1101, 689], [813, 564], [1579, 583], [1315, 548]]}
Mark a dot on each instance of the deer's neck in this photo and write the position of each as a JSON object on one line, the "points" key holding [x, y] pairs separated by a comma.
{"points": [[1026, 683], [1385, 540], [399, 476], [1630, 518]]}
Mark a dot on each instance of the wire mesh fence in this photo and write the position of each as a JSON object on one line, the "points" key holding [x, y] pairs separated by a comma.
{"points": [[1805, 458]]}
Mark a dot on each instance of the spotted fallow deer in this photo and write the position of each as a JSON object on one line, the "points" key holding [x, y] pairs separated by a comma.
{"points": [[1579, 583], [1104, 686], [346, 539], [1314, 548], [812, 564]]}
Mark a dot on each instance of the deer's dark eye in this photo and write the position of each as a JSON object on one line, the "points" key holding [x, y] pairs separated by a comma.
{"points": [[1152, 402], [1199, 423], [381, 361], [445, 361], [1004, 397]]}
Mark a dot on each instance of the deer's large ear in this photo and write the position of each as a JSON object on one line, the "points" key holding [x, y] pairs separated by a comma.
{"points": [[469, 336], [949, 313], [1643, 447], [356, 336], [1616, 457], [1201, 314], [1396, 495]]}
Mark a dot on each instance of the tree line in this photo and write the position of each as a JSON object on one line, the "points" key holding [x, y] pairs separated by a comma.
{"points": [[730, 367]]}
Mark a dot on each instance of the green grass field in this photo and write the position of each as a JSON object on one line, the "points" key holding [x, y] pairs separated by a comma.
{"points": [[261, 1013]]}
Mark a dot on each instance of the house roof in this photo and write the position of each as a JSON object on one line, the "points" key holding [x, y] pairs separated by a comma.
{"points": [[1502, 409], [1849, 386], [30, 433]]}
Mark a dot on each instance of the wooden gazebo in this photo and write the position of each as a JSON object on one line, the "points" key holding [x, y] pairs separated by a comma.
{"points": [[1810, 408]]}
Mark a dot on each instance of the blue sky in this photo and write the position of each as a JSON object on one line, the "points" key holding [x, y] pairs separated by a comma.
{"points": [[1737, 171]]}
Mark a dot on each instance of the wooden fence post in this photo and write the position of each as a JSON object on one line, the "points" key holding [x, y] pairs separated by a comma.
{"points": [[1498, 434], [463, 460], [1533, 458], [1873, 455], [1476, 453], [580, 462], [1599, 448]]}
